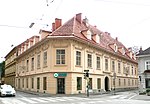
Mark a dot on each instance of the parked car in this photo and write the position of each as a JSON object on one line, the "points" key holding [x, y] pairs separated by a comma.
{"points": [[7, 90]]}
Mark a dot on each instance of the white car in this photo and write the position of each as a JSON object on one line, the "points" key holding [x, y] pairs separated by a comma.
{"points": [[7, 90]]}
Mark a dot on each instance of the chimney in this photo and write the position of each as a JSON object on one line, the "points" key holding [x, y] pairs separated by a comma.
{"points": [[140, 50], [57, 23], [116, 38], [44, 33], [79, 17], [53, 26]]}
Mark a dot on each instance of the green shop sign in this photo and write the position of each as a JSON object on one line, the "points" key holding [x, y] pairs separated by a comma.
{"points": [[60, 75]]}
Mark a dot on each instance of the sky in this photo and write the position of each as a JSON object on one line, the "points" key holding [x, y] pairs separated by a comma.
{"points": [[129, 20]]}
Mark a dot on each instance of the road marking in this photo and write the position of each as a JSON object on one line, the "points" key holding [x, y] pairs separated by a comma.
{"points": [[15, 101], [4, 101], [28, 100], [132, 96], [49, 99], [39, 100]]}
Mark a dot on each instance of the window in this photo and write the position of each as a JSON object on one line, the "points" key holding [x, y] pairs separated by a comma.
{"points": [[60, 56], [106, 64], [119, 82], [128, 82], [124, 82], [98, 83], [147, 83], [128, 69], [98, 62], [132, 70], [45, 59], [113, 65], [78, 58], [23, 83], [89, 60], [147, 65], [32, 83], [79, 83], [44, 83], [132, 82], [27, 83], [119, 67], [135, 82], [124, 69], [89, 34], [32, 64], [27, 64], [38, 83], [38, 61], [90, 83], [115, 48], [135, 71]]}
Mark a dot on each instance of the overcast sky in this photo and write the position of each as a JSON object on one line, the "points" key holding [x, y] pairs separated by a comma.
{"points": [[129, 20]]}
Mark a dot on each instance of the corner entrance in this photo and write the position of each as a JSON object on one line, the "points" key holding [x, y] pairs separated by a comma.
{"points": [[106, 84], [61, 85]]}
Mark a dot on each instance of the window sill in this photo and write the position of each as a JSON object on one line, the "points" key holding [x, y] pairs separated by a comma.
{"points": [[89, 67], [108, 72], [45, 66], [60, 65], [39, 68], [98, 69], [78, 66]]}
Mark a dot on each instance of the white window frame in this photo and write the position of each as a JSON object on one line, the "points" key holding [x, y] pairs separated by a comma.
{"points": [[147, 64], [78, 58]]}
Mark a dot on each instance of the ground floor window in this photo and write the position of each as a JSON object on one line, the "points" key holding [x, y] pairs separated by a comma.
{"points": [[128, 82], [27, 83], [119, 82], [44, 83], [23, 83], [32, 83], [147, 83], [19, 83], [90, 83], [124, 82], [98, 83], [38, 83], [79, 83]]}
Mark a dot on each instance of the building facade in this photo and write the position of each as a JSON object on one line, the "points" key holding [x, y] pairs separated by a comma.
{"points": [[144, 69], [56, 62], [10, 67]]}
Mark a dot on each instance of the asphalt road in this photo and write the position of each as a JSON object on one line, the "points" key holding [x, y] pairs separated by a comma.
{"points": [[118, 98]]}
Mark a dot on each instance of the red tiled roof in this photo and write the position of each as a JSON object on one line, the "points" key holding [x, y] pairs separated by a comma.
{"points": [[75, 28]]}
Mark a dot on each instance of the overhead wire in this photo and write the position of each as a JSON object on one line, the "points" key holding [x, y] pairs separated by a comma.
{"points": [[121, 2]]}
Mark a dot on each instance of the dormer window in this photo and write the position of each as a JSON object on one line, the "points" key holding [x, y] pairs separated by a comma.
{"points": [[123, 51], [89, 34], [115, 48], [97, 38]]}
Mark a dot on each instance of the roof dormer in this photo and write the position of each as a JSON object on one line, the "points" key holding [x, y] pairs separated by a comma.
{"points": [[122, 50], [89, 34], [96, 38], [114, 47]]}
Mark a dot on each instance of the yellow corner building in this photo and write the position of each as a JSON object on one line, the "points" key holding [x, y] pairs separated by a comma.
{"points": [[55, 62]]}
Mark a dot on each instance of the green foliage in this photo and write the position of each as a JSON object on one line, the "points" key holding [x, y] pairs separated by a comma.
{"points": [[147, 90], [2, 69]]}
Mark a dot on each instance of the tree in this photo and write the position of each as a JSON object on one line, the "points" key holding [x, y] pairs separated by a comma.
{"points": [[2, 69]]}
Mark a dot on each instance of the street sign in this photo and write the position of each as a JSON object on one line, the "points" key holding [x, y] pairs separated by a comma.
{"points": [[60, 75], [55, 75]]}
